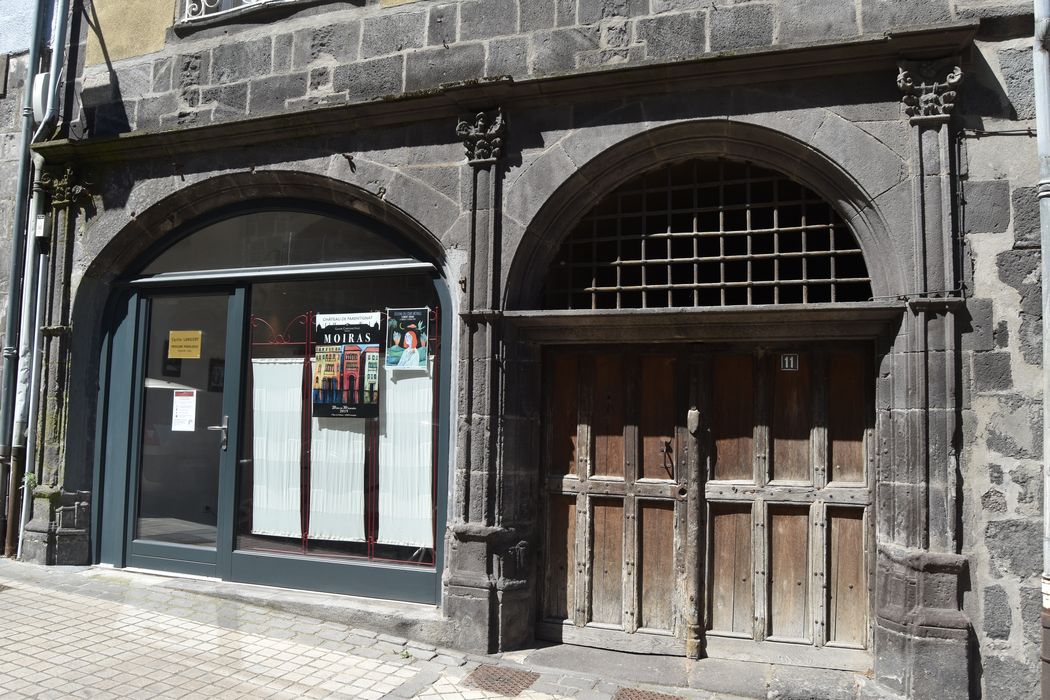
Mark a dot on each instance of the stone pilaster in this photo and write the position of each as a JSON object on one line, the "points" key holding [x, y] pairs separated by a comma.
{"points": [[921, 634], [486, 587], [58, 530]]}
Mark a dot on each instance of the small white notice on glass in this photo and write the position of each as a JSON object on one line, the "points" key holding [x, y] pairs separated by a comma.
{"points": [[184, 411]]}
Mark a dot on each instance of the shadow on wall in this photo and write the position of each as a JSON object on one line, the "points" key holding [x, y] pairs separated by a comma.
{"points": [[983, 96], [100, 95]]}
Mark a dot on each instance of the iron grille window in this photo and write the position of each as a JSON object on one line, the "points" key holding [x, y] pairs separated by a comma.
{"points": [[708, 233], [195, 9]]}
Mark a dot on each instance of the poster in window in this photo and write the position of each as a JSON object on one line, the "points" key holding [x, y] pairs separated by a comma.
{"points": [[346, 365], [407, 338]]}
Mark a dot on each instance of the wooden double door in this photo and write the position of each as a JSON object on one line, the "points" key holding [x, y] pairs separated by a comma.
{"points": [[710, 500]]}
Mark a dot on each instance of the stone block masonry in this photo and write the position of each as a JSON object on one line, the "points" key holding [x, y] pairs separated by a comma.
{"points": [[384, 50], [1002, 434]]}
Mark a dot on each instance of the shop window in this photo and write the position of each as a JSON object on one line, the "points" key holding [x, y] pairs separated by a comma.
{"points": [[334, 336], [708, 233], [340, 430]]}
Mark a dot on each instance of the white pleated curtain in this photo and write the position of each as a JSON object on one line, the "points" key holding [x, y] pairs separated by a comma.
{"points": [[337, 479], [405, 458], [337, 467], [277, 404]]}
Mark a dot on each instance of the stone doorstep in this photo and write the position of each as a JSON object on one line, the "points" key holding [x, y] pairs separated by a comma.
{"points": [[418, 622], [669, 674]]}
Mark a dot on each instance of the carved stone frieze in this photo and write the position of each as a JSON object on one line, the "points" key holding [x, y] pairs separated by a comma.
{"points": [[483, 136], [929, 89]]}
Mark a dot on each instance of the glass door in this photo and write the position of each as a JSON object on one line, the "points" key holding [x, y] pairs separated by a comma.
{"points": [[185, 451]]}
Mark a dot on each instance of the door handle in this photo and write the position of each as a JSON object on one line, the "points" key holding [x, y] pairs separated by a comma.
{"points": [[225, 428]]}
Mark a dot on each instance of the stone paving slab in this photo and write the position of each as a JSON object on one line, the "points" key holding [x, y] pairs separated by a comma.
{"points": [[97, 633]]}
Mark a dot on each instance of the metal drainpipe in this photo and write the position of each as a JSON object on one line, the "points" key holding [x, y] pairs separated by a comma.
{"points": [[34, 281], [1041, 59], [34, 389], [9, 352], [24, 392]]}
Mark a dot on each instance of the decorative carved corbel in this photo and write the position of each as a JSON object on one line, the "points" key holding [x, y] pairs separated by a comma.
{"points": [[64, 187], [929, 90], [483, 137]]}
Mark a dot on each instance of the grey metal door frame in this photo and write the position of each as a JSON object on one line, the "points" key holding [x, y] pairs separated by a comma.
{"points": [[121, 358], [183, 558]]}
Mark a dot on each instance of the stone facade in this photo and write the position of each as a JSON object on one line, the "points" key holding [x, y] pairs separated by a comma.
{"points": [[209, 74], [1002, 354], [915, 118]]}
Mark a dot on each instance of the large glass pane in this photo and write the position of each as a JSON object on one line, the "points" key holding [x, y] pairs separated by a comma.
{"points": [[338, 450], [178, 479], [273, 238]]}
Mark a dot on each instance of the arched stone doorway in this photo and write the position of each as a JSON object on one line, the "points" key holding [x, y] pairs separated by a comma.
{"points": [[255, 414], [710, 330]]}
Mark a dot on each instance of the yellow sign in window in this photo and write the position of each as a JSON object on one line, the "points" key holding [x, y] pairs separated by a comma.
{"points": [[184, 345]]}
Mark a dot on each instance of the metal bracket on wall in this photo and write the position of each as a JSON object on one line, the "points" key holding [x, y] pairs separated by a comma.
{"points": [[3, 74]]}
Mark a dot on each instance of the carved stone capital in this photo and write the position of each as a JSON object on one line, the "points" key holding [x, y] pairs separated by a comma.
{"points": [[483, 136], [64, 187], [929, 90]]}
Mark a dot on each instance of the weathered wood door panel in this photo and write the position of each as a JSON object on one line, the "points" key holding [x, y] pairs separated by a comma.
{"points": [[607, 416], [789, 498], [560, 596], [634, 581], [789, 572], [792, 420], [656, 605], [607, 561], [732, 605], [733, 416], [847, 578], [710, 488]]}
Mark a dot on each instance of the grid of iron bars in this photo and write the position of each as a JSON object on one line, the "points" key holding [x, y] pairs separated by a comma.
{"points": [[708, 233]]}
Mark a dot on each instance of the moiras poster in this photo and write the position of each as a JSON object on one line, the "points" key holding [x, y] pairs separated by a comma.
{"points": [[346, 365]]}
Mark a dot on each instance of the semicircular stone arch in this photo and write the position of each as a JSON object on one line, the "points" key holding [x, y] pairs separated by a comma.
{"points": [[115, 241], [566, 204], [113, 245]]}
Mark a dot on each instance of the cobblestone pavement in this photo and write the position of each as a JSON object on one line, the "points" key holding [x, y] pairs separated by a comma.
{"points": [[95, 633]]}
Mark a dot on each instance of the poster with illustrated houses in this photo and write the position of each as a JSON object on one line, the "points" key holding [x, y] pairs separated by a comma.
{"points": [[407, 338], [346, 365]]}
